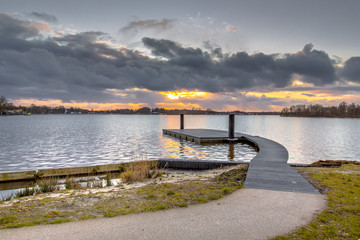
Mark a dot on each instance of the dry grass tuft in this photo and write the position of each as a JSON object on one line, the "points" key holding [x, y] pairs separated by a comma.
{"points": [[138, 171]]}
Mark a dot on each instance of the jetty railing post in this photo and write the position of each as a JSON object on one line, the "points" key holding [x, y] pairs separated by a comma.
{"points": [[231, 125], [182, 121]]}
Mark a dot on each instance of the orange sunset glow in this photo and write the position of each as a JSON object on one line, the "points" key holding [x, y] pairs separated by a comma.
{"points": [[185, 94]]}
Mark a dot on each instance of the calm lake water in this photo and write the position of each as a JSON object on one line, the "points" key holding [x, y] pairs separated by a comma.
{"points": [[51, 141]]}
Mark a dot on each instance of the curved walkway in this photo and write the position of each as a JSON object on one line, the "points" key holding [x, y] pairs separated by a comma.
{"points": [[269, 169]]}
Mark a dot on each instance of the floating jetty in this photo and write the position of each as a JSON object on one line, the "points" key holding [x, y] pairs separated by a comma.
{"points": [[268, 169]]}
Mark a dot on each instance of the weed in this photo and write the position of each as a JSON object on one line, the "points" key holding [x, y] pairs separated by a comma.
{"points": [[87, 217], [8, 197], [214, 196], [95, 170], [201, 200], [151, 196], [170, 193], [53, 213], [182, 205], [121, 167], [71, 184], [111, 214], [225, 191], [7, 219], [61, 220], [47, 185], [27, 191], [108, 179]]}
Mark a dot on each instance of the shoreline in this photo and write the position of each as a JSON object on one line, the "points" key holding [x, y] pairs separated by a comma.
{"points": [[314, 174]]}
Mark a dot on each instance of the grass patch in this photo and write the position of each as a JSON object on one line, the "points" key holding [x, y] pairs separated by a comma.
{"points": [[87, 217], [340, 220], [170, 195], [151, 197], [61, 220]]}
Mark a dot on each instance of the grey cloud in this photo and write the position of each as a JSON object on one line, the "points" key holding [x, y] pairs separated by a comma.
{"points": [[241, 70], [351, 70], [11, 28], [316, 66], [44, 16], [76, 67], [163, 24]]}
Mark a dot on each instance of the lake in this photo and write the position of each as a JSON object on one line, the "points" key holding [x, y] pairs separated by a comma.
{"points": [[52, 141]]}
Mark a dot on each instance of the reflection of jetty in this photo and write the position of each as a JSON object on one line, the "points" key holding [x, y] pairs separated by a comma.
{"points": [[268, 170]]}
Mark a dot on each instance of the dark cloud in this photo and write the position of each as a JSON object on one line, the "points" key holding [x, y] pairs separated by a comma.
{"points": [[44, 16], [139, 25], [351, 70], [79, 67], [314, 65]]}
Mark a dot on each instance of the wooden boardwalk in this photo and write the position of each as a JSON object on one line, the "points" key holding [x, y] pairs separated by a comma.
{"points": [[268, 170]]}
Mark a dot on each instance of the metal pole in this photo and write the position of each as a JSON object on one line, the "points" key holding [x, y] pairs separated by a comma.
{"points": [[231, 125], [182, 121]]}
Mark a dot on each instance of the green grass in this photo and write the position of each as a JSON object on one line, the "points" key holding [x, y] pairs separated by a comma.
{"points": [[341, 218], [149, 198]]}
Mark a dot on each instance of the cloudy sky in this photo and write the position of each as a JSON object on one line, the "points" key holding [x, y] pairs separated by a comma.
{"points": [[255, 55]]}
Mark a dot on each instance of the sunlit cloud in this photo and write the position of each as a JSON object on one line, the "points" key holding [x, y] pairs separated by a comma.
{"points": [[231, 28], [185, 94], [309, 96], [41, 26], [297, 83], [107, 56]]}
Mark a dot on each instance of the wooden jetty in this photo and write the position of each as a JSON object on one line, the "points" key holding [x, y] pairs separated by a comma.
{"points": [[268, 170]]}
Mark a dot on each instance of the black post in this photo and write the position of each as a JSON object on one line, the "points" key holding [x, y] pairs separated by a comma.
{"points": [[231, 125], [182, 121]]}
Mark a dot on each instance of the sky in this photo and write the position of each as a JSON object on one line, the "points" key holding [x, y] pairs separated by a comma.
{"points": [[259, 55]]}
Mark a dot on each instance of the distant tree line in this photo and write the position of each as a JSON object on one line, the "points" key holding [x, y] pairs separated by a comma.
{"points": [[7, 108], [343, 110]]}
